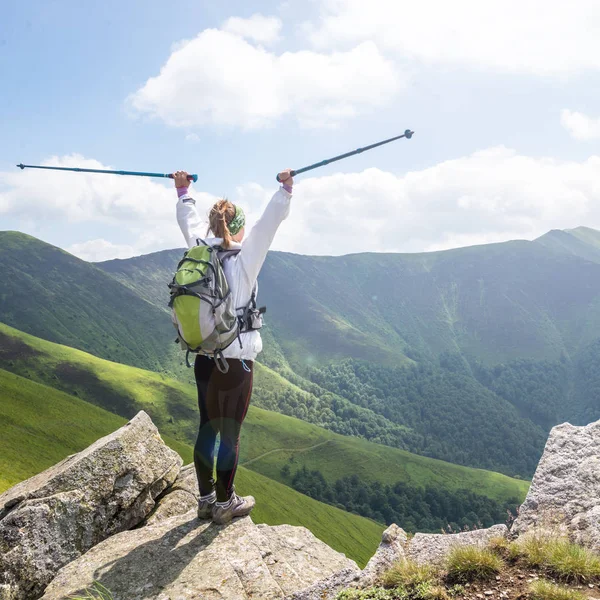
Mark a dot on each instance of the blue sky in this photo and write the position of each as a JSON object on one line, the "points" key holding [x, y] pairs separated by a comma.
{"points": [[504, 101]]}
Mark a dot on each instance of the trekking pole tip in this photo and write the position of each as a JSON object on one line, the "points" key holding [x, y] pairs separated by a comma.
{"points": [[21, 166], [408, 134]]}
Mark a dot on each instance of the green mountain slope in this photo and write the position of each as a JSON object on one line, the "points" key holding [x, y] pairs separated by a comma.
{"points": [[39, 426], [492, 303], [269, 439], [147, 275], [469, 355], [52, 294], [473, 345]]}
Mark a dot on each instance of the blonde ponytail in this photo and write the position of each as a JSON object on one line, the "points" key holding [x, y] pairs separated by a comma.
{"points": [[221, 214]]}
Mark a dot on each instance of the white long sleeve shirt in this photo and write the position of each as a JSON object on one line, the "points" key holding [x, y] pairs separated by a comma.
{"points": [[241, 270]]}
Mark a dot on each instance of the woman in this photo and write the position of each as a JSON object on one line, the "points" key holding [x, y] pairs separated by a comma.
{"points": [[223, 398]]}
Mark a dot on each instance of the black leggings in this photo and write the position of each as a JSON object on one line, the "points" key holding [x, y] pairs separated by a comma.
{"points": [[223, 400]]}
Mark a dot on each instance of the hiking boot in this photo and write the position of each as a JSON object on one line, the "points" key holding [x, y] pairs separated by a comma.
{"points": [[237, 506], [206, 507]]}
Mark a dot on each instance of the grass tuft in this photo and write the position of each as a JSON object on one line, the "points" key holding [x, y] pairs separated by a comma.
{"points": [[557, 556], [499, 545], [470, 563], [571, 562], [375, 593], [533, 549], [409, 574], [96, 592], [545, 590]]}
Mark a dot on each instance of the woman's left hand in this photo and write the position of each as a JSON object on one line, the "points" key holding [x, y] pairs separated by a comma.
{"points": [[285, 178], [181, 179]]}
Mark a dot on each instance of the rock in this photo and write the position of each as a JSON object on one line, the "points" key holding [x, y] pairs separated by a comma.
{"points": [[390, 551], [178, 499], [53, 518], [328, 588], [8, 592], [183, 557], [435, 547], [565, 489]]}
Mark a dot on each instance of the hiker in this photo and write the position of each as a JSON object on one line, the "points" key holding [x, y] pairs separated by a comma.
{"points": [[223, 397]]}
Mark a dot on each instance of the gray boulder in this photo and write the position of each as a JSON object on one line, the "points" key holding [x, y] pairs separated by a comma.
{"points": [[178, 499], [182, 557], [390, 551], [433, 548], [53, 518], [565, 491]]}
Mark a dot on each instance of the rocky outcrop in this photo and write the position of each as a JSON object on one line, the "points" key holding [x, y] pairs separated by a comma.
{"points": [[53, 518], [433, 548], [390, 551], [565, 491], [178, 499], [182, 557], [123, 513]]}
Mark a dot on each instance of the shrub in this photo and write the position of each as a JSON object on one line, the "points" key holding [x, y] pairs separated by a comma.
{"points": [[470, 563]]}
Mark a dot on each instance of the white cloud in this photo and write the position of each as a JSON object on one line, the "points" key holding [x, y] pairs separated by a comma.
{"points": [[528, 36], [78, 197], [580, 126], [82, 196], [220, 79], [141, 209], [100, 249], [192, 137], [489, 196], [257, 28]]}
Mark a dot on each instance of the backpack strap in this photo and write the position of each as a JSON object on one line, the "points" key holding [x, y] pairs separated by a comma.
{"points": [[221, 362]]}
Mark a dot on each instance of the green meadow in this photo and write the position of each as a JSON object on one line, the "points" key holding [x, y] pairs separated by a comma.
{"points": [[269, 439], [40, 426]]}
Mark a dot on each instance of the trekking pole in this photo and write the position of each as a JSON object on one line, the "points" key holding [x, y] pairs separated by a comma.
{"points": [[407, 134], [193, 178]]}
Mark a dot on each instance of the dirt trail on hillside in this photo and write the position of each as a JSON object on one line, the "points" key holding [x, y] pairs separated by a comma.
{"points": [[296, 450]]}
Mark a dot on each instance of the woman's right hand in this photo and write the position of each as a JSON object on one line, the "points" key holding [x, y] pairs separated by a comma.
{"points": [[181, 179]]}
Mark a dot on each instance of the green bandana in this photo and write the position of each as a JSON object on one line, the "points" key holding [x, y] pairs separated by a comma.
{"points": [[238, 221]]}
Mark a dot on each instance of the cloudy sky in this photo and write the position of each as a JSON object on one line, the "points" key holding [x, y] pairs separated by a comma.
{"points": [[504, 97]]}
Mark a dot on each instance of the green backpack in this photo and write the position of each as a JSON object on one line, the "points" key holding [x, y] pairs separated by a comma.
{"points": [[202, 307]]}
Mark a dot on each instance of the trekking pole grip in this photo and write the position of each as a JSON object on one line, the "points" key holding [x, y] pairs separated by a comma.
{"points": [[193, 177], [292, 174]]}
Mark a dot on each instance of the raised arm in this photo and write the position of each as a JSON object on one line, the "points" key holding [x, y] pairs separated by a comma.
{"points": [[256, 245], [188, 218]]}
